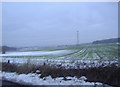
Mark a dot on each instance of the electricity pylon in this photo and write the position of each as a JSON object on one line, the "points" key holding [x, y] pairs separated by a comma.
{"points": [[77, 37]]}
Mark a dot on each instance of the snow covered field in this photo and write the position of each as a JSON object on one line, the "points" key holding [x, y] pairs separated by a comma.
{"points": [[36, 53], [73, 56], [34, 79], [68, 57]]}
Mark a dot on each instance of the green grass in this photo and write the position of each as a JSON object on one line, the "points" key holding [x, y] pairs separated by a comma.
{"points": [[104, 51]]}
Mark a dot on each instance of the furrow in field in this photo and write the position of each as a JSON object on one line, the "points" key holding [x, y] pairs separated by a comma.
{"points": [[75, 55], [84, 55], [95, 56]]}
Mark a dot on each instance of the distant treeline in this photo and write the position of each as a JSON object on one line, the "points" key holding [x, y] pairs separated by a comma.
{"points": [[6, 48], [113, 40]]}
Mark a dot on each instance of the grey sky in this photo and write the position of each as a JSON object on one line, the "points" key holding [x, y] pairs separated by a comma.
{"points": [[56, 23]]}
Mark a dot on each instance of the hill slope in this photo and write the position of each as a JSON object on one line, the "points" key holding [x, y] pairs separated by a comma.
{"points": [[112, 40]]}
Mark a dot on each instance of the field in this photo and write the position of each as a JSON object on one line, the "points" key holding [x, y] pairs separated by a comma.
{"points": [[69, 56], [64, 65]]}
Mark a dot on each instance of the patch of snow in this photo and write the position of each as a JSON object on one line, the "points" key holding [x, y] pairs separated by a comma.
{"points": [[83, 78], [34, 79], [37, 71], [35, 53]]}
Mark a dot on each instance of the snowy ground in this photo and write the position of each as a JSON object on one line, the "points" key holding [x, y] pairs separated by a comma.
{"points": [[71, 57], [63, 63], [34, 79], [36, 53]]}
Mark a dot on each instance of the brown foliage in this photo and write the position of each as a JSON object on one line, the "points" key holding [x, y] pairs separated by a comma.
{"points": [[109, 74]]}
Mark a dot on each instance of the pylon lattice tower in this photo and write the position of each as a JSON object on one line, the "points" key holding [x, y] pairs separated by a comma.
{"points": [[77, 37]]}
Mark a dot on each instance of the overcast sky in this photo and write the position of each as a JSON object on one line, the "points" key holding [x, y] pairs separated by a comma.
{"points": [[56, 23]]}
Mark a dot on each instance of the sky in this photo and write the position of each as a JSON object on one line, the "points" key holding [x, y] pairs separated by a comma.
{"points": [[56, 23]]}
